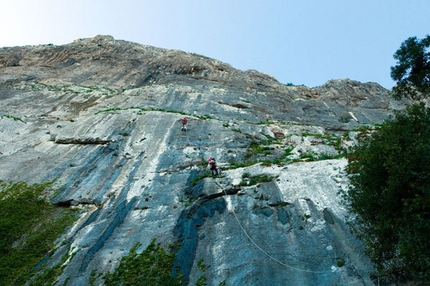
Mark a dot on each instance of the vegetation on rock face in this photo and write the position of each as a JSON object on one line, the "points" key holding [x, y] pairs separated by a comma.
{"points": [[29, 226], [250, 181], [71, 88], [12, 117], [151, 267]]}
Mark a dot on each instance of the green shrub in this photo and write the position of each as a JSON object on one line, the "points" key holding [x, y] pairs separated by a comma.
{"points": [[390, 194], [243, 183], [258, 148], [325, 156], [49, 275], [236, 165], [198, 178], [260, 179], [29, 226], [310, 156], [151, 267], [201, 281], [287, 151]]}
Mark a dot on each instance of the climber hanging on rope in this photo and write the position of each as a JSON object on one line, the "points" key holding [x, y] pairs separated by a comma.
{"points": [[213, 166], [184, 124]]}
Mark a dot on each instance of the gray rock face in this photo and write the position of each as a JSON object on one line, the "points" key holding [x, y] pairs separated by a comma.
{"points": [[103, 118]]}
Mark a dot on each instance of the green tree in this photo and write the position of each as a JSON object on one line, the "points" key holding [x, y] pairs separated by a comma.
{"points": [[412, 71], [390, 194]]}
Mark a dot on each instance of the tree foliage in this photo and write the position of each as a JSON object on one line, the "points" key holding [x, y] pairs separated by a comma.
{"points": [[412, 71], [390, 194]]}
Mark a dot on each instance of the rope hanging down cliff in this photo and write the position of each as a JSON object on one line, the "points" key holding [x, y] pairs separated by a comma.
{"points": [[266, 253]]}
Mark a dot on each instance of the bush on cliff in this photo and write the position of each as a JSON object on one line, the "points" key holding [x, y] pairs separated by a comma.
{"points": [[390, 194], [153, 266], [29, 225]]}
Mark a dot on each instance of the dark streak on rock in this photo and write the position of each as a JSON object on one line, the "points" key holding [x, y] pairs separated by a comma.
{"points": [[84, 141]]}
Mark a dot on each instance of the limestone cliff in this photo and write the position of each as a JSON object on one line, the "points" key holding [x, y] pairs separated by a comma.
{"points": [[102, 117]]}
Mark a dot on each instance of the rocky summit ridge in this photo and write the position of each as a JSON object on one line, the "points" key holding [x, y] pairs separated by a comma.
{"points": [[102, 117]]}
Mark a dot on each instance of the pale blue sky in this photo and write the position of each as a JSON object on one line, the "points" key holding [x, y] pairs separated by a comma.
{"points": [[296, 41]]}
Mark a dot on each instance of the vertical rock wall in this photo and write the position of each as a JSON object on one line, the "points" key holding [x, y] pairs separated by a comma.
{"points": [[107, 128]]}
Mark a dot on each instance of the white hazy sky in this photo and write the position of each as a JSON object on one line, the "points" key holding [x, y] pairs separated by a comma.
{"points": [[297, 41]]}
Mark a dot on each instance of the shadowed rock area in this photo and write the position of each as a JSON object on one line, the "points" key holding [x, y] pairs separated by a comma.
{"points": [[102, 117]]}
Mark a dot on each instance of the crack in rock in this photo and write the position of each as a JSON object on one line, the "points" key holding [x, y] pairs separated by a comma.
{"points": [[82, 141]]}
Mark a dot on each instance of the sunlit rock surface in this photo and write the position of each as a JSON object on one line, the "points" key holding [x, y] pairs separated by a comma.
{"points": [[102, 117]]}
